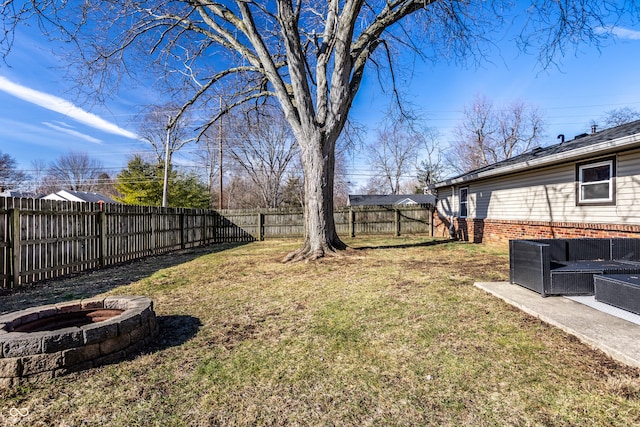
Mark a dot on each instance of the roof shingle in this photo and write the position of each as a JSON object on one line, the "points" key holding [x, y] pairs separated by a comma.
{"points": [[578, 142]]}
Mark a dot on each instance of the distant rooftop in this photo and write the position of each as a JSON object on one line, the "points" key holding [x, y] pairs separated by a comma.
{"points": [[19, 194], [80, 196], [392, 199]]}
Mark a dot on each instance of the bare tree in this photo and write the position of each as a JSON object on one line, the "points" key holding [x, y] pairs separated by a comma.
{"points": [[431, 168], [106, 185], [293, 191], [309, 55], [619, 116], [241, 192], [208, 155], [11, 178], [489, 134], [38, 173], [473, 135], [393, 154], [520, 128], [48, 185], [75, 171], [342, 184], [374, 185], [165, 135], [263, 145]]}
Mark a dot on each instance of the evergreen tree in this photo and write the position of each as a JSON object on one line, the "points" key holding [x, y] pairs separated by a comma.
{"points": [[188, 191], [141, 184]]}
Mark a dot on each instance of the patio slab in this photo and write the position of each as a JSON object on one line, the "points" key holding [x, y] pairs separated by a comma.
{"points": [[597, 326]]}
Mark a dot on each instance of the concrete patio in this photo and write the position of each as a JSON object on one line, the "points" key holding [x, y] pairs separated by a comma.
{"points": [[614, 331]]}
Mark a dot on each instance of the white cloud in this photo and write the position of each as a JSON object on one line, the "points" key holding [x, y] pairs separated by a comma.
{"points": [[67, 129], [64, 124], [620, 32], [625, 33], [62, 106]]}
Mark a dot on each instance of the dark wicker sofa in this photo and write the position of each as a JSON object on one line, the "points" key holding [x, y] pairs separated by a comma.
{"points": [[567, 266]]}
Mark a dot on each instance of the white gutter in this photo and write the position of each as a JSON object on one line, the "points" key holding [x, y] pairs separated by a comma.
{"points": [[601, 147]]}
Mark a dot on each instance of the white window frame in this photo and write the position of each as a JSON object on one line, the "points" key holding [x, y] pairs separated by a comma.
{"points": [[610, 182], [460, 202]]}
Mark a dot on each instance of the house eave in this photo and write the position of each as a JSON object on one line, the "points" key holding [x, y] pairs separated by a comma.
{"points": [[601, 148]]}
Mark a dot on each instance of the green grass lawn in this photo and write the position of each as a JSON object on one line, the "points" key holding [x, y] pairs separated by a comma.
{"points": [[391, 334]]}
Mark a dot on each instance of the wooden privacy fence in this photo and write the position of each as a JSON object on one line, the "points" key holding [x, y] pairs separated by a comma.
{"points": [[43, 239], [355, 221]]}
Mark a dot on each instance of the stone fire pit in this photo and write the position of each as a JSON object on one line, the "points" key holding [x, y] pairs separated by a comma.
{"points": [[49, 341]]}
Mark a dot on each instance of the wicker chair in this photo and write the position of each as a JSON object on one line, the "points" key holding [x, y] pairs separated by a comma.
{"points": [[567, 266]]}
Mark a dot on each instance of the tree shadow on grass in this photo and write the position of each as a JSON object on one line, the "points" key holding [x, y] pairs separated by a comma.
{"points": [[405, 245], [91, 283], [175, 330]]}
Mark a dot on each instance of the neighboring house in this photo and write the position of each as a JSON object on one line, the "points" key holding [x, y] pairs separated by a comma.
{"points": [[389, 200], [586, 187], [79, 196], [19, 194]]}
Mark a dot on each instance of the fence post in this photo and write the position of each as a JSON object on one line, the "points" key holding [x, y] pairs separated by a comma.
{"points": [[182, 239], [14, 215], [102, 238], [203, 235], [396, 221], [352, 222], [260, 226], [432, 211]]}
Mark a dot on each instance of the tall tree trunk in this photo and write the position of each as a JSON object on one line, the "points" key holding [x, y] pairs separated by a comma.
{"points": [[318, 160]]}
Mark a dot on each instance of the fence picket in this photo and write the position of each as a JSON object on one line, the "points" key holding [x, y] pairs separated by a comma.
{"points": [[44, 239]]}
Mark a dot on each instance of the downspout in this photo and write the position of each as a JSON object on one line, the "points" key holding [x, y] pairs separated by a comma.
{"points": [[452, 228]]}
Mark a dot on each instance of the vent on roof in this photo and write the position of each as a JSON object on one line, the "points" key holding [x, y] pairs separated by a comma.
{"points": [[582, 135], [561, 138]]}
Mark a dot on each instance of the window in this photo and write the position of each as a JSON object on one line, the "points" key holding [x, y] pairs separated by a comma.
{"points": [[463, 194], [596, 182]]}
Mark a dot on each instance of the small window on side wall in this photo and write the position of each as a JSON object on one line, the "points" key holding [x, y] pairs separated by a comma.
{"points": [[463, 195], [596, 182]]}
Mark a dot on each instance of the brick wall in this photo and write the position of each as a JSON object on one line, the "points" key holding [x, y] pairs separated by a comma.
{"points": [[500, 231]]}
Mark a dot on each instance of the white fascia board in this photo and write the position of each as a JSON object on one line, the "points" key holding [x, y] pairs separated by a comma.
{"points": [[68, 196], [566, 156], [54, 196], [407, 201]]}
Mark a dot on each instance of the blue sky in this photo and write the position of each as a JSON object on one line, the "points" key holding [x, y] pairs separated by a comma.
{"points": [[582, 88], [40, 118]]}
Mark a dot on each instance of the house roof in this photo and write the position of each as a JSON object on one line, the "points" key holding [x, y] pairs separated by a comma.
{"points": [[391, 199], [19, 194], [607, 141], [80, 196]]}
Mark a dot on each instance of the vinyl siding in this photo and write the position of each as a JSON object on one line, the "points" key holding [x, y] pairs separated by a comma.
{"points": [[628, 188], [445, 202], [549, 194]]}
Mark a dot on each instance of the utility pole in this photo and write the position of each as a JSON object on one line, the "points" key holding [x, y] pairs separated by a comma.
{"points": [[166, 166], [220, 152]]}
